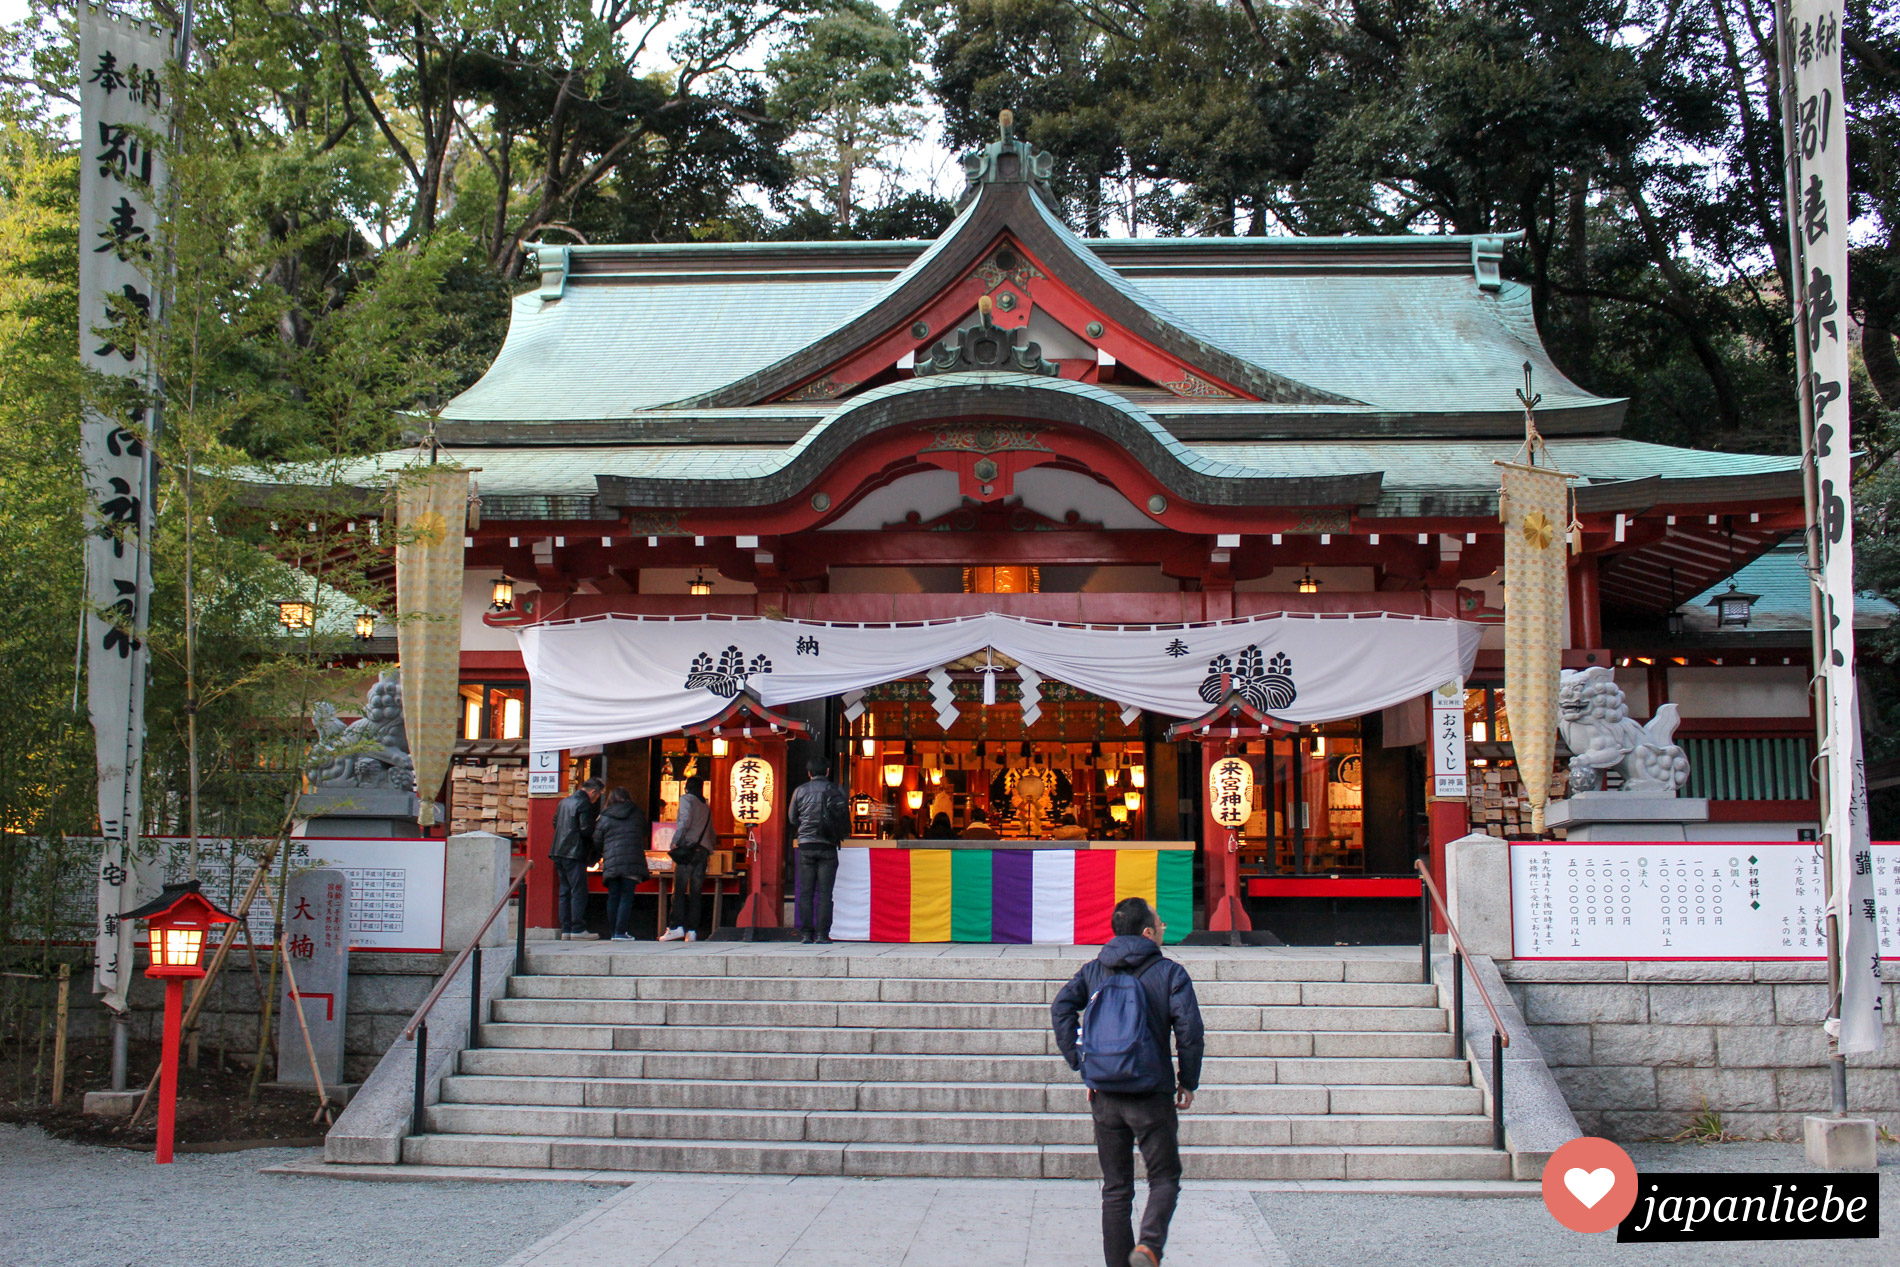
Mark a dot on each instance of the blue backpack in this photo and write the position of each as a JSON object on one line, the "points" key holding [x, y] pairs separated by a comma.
{"points": [[1116, 1040]]}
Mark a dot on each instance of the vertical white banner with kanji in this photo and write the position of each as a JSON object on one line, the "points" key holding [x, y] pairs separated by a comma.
{"points": [[1819, 165], [121, 176]]}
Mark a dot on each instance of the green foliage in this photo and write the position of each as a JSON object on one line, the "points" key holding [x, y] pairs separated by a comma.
{"points": [[1635, 147], [844, 84]]}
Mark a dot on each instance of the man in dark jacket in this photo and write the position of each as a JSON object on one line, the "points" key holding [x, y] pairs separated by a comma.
{"points": [[818, 820], [573, 851], [1146, 1117]]}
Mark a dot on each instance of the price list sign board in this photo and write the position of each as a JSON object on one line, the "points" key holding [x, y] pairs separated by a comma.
{"points": [[395, 896], [1657, 900]]}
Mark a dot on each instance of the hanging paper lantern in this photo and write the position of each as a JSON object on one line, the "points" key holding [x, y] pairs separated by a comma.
{"points": [[751, 790], [1230, 791]]}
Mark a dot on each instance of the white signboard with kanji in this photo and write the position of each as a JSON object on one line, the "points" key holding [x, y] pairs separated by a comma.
{"points": [[1656, 900], [1448, 739], [544, 773]]}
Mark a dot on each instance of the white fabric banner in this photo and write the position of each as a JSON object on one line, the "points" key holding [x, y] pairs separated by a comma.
{"points": [[1052, 896], [1819, 165], [608, 679], [851, 896], [121, 180]]}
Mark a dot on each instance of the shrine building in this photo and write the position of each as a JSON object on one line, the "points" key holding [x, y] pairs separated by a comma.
{"points": [[860, 444]]}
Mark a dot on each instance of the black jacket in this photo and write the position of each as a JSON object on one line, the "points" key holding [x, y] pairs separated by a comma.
{"points": [[623, 835], [574, 827], [1171, 1004], [818, 814]]}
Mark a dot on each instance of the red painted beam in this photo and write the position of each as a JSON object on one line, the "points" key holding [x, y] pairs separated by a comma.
{"points": [[1333, 886]]}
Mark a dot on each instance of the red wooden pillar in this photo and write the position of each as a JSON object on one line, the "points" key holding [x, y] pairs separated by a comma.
{"points": [[1586, 603], [765, 895], [1450, 819], [1220, 865], [543, 888]]}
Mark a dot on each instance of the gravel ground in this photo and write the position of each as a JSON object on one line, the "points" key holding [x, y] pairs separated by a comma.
{"points": [[1324, 1231], [72, 1205]]}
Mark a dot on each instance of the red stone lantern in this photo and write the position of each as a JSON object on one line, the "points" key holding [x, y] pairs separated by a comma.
{"points": [[177, 920]]}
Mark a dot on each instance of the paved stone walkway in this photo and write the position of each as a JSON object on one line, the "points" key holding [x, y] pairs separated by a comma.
{"points": [[888, 1223]]}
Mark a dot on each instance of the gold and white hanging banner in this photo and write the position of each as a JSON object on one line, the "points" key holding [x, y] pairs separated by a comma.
{"points": [[431, 518], [122, 67], [1534, 505]]}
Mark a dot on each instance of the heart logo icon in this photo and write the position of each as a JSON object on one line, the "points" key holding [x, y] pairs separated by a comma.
{"points": [[1589, 1186]]}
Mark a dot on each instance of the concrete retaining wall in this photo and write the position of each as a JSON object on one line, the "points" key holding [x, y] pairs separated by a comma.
{"points": [[1640, 1048]]}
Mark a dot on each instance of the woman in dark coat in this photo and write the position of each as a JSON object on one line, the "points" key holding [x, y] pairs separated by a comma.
{"points": [[623, 835], [940, 829]]}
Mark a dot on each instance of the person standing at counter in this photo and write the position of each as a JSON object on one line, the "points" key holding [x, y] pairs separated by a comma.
{"points": [[572, 851], [818, 819], [624, 835], [691, 851]]}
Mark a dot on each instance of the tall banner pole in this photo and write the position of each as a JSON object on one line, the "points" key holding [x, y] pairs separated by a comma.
{"points": [[122, 70], [1814, 141]]}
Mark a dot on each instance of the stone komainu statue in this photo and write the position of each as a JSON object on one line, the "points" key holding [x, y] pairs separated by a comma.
{"points": [[372, 751], [1595, 722]]}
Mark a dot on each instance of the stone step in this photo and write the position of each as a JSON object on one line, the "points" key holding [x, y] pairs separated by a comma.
{"points": [[943, 1161], [1004, 1042], [927, 962], [787, 1015], [927, 990], [500, 1086], [1217, 1130], [598, 1060]]}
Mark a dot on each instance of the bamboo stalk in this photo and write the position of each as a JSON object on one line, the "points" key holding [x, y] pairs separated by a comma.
{"points": [[269, 1003], [59, 1035], [309, 1048]]}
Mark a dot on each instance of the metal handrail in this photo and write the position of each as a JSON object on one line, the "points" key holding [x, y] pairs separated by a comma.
{"points": [[418, 1027], [1429, 897]]}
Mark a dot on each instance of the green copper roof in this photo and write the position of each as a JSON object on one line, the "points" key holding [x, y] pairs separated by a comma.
{"points": [[1781, 578], [1420, 477], [1393, 327]]}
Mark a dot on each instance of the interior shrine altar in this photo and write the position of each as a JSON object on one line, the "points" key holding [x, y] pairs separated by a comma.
{"points": [[1019, 891]]}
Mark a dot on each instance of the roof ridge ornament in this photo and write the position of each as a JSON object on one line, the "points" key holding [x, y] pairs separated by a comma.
{"points": [[982, 346], [1007, 160]]}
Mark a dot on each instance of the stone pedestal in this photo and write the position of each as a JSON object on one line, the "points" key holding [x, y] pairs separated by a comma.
{"points": [[1478, 892], [476, 874], [317, 948], [111, 1103], [377, 812], [1840, 1143], [1631, 816]]}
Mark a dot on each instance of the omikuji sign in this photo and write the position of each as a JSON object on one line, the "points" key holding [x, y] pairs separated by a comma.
{"points": [[751, 790], [1230, 791]]}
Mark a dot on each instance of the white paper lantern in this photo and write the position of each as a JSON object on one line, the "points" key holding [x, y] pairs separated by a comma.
{"points": [[751, 790], [1230, 791]]}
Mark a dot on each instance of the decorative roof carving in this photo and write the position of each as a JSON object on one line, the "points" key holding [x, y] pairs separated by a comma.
{"points": [[984, 439], [982, 346], [1008, 161]]}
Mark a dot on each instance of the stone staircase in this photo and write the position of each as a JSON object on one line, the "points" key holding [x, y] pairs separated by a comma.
{"points": [[942, 1065]]}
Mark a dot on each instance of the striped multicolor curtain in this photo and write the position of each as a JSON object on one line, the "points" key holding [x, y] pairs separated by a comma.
{"points": [[1063, 896]]}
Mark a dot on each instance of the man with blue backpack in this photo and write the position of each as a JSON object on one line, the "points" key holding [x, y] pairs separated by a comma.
{"points": [[1112, 1022]]}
